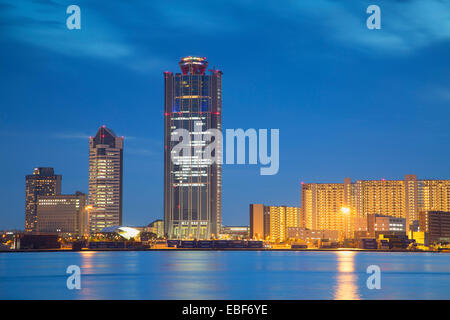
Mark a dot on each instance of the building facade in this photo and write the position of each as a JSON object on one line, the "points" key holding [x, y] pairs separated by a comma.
{"points": [[436, 226], [272, 222], [328, 206], [157, 227], [257, 221], [380, 224], [192, 184], [236, 232], [63, 214], [337, 206], [282, 218], [105, 180], [43, 182], [310, 235]]}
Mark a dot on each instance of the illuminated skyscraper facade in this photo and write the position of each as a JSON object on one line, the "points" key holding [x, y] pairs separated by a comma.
{"points": [[43, 182], [433, 195], [105, 179], [193, 185], [282, 218], [328, 206]]}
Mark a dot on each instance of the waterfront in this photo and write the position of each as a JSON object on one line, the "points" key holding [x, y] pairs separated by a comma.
{"points": [[224, 275]]}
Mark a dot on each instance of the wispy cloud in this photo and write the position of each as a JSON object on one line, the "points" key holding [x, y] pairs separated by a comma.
{"points": [[135, 146], [43, 24], [143, 152], [70, 136], [55, 135], [439, 93], [134, 35], [406, 25]]}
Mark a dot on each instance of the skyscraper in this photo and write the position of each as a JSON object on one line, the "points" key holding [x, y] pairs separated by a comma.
{"points": [[327, 206], [192, 188], [43, 182], [105, 179]]}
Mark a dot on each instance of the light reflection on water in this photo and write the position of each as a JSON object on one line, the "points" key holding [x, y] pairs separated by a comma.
{"points": [[224, 275], [346, 285]]}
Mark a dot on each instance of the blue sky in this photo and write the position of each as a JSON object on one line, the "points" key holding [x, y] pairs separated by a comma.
{"points": [[349, 102]]}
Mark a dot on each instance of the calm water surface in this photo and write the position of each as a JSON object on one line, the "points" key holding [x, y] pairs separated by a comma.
{"points": [[224, 275]]}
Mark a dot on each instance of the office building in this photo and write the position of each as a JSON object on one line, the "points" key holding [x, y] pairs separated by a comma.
{"points": [[257, 221], [63, 214], [436, 225], [36, 240], [373, 225], [388, 225], [43, 182], [105, 180], [192, 183]]}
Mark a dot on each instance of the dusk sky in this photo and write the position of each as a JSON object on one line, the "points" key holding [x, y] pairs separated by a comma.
{"points": [[348, 101]]}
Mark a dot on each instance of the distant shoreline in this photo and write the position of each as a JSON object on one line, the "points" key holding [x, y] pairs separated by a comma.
{"points": [[225, 249]]}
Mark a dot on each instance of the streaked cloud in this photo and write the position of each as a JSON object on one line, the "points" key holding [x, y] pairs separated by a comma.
{"points": [[406, 25], [440, 93], [134, 35], [70, 136], [55, 135], [143, 152], [43, 24]]}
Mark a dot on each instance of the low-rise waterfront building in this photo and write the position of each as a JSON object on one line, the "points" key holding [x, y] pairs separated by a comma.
{"points": [[373, 225], [158, 228], [236, 232], [310, 235]]}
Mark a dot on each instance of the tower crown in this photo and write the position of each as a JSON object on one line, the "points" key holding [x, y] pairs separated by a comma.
{"points": [[105, 136]]}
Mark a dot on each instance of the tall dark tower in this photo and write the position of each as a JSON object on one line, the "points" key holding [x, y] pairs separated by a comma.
{"points": [[43, 182], [105, 179], [192, 188]]}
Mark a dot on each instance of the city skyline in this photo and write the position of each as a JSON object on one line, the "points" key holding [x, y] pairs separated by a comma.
{"points": [[225, 159], [365, 106]]}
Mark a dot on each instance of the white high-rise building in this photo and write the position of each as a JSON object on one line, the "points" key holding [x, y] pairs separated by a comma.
{"points": [[105, 180]]}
